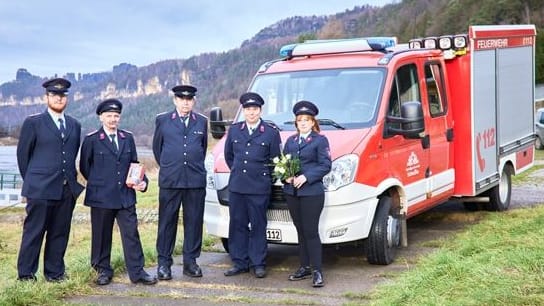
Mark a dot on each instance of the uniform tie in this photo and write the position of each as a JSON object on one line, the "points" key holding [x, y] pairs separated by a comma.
{"points": [[62, 129], [184, 120], [112, 137], [250, 130], [301, 140]]}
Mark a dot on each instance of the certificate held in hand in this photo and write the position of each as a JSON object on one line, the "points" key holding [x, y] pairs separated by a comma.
{"points": [[135, 174]]}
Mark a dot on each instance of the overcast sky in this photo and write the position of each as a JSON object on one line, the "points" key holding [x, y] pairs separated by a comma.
{"points": [[48, 37]]}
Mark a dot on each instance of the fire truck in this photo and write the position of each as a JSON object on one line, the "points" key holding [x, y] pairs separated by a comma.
{"points": [[410, 126]]}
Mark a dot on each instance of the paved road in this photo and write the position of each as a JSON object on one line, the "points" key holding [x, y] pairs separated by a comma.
{"points": [[345, 268]]}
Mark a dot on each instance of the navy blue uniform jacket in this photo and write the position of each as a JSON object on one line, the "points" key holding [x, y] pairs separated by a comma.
{"points": [[180, 150], [249, 157], [315, 162], [45, 159], [106, 171]]}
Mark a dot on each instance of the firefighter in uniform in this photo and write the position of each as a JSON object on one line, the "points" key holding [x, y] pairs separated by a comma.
{"points": [[249, 149], [305, 193], [46, 155], [180, 142], [106, 155]]}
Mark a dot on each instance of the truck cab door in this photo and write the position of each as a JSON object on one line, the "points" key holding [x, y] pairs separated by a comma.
{"points": [[439, 130], [405, 158]]}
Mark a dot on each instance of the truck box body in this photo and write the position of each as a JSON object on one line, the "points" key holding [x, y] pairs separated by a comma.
{"points": [[469, 128]]}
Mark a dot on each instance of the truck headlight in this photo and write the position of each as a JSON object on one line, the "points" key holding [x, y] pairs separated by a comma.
{"points": [[342, 172], [209, 165]]}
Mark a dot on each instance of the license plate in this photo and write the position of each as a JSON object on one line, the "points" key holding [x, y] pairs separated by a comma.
{"points": [[273, 234]]}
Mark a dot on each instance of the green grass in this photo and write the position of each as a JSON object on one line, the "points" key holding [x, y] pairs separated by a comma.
{"points": [[498, 261]]}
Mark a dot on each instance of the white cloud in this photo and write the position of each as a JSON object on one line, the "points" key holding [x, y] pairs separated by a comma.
{"points": [[94, 35]]}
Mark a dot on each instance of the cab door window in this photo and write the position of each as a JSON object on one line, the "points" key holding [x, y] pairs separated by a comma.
{"points": [[405, 88], [435, 89]]}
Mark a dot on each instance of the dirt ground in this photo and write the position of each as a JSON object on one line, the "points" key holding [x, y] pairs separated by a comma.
{"points": [[346, 271]]}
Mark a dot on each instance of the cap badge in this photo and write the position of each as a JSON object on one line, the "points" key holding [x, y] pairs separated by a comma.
{"points": [[59, 86], [250, 101], [185, 93]]}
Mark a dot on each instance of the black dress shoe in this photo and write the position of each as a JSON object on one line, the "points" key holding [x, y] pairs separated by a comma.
{"points": [[317, 280], [260, 272], [164, 273], [146, 279], [192, 270], [103, 279], [56, 279], [27, 278], [301, 273], [235, 271]]}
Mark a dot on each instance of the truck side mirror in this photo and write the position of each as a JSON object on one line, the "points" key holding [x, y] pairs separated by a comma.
{"points": [[411, 121], [217, 124]]}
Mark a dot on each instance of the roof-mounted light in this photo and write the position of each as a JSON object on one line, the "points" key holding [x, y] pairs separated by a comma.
{"points": [[430, 43], [337, 46], [460, 41], [445, 42], [415, 43]]}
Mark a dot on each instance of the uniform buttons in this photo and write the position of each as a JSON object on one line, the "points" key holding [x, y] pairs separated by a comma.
{"points": [[64, 162], [247, 152], [185, 153], [185, 163], [63, 170], [245, 161], [184, 144], [248, 144], [244, 170], [118, 183], [118, 172]]}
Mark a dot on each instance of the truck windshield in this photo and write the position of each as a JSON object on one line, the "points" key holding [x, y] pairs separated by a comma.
{"points": [[347, 98]]}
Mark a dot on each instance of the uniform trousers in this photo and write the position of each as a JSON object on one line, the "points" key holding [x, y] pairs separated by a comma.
{"points": [[247, 229], [305, 211], [170, 201], [102, 220], [52, 219]]}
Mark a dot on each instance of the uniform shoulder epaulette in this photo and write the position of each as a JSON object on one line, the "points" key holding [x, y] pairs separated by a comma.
{"points": [[126, 131], [34, 115], [201, 115], [161, 114], [272, 125], [92, 133]]}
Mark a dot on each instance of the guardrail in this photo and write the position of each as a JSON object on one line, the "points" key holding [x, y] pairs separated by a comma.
{"points": [[10, 180]]}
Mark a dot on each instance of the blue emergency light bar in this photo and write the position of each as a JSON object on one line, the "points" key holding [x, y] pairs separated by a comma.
{"points": [[314, 47]]}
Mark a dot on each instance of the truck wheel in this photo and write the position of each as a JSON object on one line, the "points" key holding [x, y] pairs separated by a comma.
{"points": [[499, 196], [384, 238], [225, 242], [538, 144]]}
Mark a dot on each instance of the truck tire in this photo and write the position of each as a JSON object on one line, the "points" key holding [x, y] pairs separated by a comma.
{"points": [[499, 196], [384, 238], [225, 242]]}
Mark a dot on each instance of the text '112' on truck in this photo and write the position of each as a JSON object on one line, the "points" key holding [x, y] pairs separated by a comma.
{"points": [[410, 126]]}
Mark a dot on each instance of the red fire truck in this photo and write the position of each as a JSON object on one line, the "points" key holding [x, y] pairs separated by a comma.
{"points": [[410, 126]]}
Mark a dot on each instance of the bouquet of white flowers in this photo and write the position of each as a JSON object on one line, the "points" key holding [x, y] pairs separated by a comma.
{"points": [[285, 166]]}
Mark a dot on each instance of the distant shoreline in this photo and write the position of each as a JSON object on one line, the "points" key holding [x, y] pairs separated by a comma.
{"points": [[8, 141]]}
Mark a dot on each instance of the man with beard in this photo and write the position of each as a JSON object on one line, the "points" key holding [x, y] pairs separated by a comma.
{"points": [[46, 155]]}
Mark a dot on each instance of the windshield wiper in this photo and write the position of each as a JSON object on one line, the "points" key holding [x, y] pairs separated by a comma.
{"points": [[330, 122]]}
